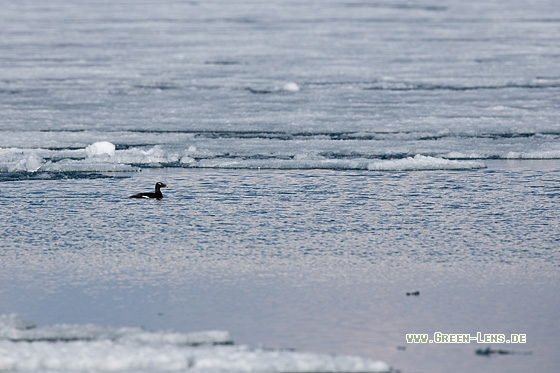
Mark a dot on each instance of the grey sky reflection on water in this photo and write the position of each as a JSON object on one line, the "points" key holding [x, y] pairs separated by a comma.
{"points": [[310, 306]]}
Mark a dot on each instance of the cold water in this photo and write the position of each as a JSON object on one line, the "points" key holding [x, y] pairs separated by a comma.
{"points": [[323, 159]]}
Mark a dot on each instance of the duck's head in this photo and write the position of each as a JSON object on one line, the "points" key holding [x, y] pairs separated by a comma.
{"points": [[159, 185]]}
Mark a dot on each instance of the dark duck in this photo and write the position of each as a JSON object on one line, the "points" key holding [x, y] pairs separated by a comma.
{"points": [[157, 194]]}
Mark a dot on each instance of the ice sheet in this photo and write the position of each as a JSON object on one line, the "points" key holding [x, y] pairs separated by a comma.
{"points": [[25, 347], [102, 157]]}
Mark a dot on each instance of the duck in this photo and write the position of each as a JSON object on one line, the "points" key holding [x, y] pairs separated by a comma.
{"points": [[157, 194]]}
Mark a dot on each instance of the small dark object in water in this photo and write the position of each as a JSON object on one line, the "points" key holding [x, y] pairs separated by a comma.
{"points": [[259, 91], [488, 351], [401, 348], [415, 293], [157, 193]]}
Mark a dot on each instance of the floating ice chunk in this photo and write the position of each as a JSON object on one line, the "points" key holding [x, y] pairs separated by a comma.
{"points": [[291, 87], [211, 337], [246, 359], [16, 330], [93, 165], [421, 162], [25, 347], [155, 155], [459, 155], [187, 157], [187, 160], [17, 160], [99, 148], [13, 322], [551, 154], [112, 356], [31, 163]]}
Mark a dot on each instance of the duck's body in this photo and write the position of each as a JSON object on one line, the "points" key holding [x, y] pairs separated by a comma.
{"points": [[157, 194]]}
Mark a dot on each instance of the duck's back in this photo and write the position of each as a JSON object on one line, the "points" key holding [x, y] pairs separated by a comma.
{"points": [[146, 195]]}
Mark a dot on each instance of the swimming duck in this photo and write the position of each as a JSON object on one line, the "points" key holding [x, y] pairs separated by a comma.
{"points": [[156, 194]]}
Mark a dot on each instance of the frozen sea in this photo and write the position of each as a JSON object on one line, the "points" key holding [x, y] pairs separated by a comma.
{"points": [[324, 159]]}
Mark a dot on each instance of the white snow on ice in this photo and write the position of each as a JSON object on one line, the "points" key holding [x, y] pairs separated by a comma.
{"points": [[25, 347]]}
